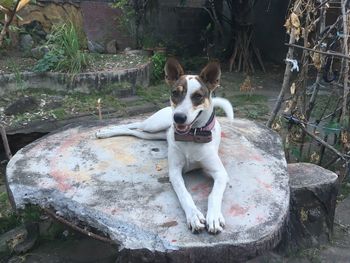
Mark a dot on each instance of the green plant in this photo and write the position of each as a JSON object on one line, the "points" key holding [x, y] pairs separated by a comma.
{"points": [[158, 63], [65, 51]]}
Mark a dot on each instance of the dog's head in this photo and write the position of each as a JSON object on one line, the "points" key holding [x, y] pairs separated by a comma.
{"points": [[191, 94]]}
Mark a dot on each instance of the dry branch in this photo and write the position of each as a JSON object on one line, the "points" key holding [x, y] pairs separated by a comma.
{"points": [[5, 142], [345, 111], [334, 54], [8, 21], [77, 228], [327, 145]]}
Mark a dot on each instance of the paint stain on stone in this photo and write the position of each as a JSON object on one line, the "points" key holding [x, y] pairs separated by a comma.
{"points": [[202, 189], [237, 210], [267, 186]]}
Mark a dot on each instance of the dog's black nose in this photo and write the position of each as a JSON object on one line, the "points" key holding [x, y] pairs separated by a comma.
{"points": [[180, 118]]}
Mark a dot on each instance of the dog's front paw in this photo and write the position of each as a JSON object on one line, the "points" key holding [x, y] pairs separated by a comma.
{"points": [[195, 220], [215, 222]]}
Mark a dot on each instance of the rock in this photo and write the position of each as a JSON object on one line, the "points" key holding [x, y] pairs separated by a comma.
{"points": [[343, 212], [313, 199], [32, 235], [95, 47], [135, 52], [53, 102], [21, 105], [36, 31], [120, 187], [39, 52], [26, 42], [11, 238], [334, 254], [112, 47], [49, 14]]}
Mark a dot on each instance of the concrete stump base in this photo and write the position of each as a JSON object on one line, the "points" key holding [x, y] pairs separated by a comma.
{"points": [[120, 186], [314, 192]]}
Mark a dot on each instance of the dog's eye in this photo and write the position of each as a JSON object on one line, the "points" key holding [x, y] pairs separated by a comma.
{"points": [[175, 93], [197, 96]]}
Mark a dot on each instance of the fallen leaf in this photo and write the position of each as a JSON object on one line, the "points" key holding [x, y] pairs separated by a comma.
{"points": [[294, 20]]}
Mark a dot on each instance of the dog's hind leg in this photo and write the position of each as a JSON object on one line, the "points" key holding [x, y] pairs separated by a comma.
{"points": [[122, 130], [157, 123]]}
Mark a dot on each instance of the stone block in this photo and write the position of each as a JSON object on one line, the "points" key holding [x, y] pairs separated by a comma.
{"points": [[312, 206], [120, 186]]}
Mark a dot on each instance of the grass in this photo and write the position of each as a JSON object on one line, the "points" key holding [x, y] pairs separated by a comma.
{"points": [[157, 93], [250, 106], [72, 105]]}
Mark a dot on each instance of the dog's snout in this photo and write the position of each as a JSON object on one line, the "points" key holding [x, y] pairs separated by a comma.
{"points": [[180, 118]]}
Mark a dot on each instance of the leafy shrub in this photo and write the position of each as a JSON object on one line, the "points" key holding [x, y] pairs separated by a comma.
{"points": [[158, 63], [64, 54]]}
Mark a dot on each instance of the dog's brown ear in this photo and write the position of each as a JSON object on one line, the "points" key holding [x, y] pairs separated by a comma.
{"points": [[211, 74], [173, 71]]}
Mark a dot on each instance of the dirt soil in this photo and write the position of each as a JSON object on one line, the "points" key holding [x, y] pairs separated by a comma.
{"points": [[12, 62]]}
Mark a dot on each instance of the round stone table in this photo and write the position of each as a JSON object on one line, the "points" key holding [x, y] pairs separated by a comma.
{"points": [[120, 186]]}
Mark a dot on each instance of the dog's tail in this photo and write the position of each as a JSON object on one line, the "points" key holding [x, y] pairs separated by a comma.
{"points": [[225, 105]]}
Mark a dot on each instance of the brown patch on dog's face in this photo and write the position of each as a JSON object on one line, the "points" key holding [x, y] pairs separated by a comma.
{"points": [[178, 92], [200, 98]]}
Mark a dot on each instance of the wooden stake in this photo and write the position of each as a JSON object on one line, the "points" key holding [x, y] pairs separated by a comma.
{"points": [[286, 80], [5, 142]]}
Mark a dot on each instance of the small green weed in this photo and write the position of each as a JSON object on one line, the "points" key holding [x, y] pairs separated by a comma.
{"points": [[65, 54], [158, 63]]}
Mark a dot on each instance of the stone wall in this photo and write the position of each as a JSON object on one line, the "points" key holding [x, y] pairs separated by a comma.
{"points": [[49, 14], [98, 20], [101, 25], [82, 82]]}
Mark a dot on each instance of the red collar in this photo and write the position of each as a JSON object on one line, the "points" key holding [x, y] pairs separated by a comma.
{"points": [[198, 135]]}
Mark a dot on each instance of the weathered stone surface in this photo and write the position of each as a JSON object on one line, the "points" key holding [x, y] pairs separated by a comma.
{"points": [[21, 105], [101, 13], [26, 42], [19, 240], [343, 213], [120, 186], [49, 14], [313, 199], [82, 82], [95, 47], [112, 47], [39, 52], [10, 239]]}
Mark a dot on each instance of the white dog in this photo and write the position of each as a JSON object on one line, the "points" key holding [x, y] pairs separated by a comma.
{"points": [[193, 135]]}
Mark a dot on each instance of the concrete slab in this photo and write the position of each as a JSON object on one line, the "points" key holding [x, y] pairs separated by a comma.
{"points": [[120, 186]]}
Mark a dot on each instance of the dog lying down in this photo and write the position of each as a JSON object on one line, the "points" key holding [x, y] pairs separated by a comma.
{"points": [[193, 135]]}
